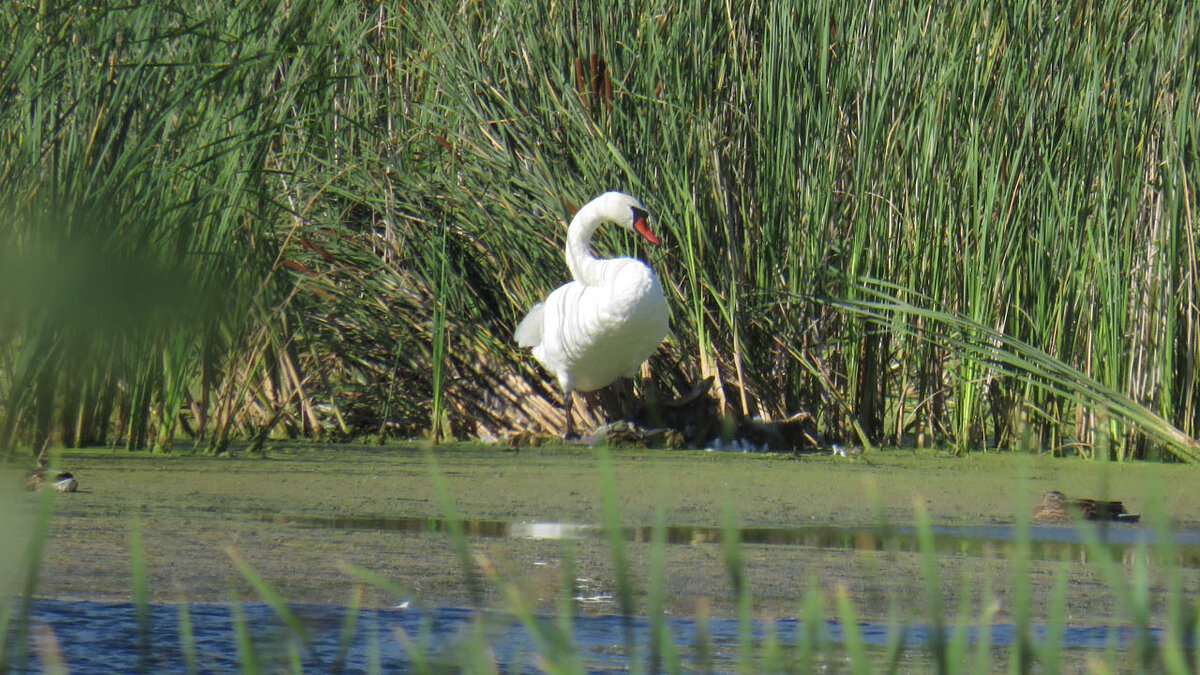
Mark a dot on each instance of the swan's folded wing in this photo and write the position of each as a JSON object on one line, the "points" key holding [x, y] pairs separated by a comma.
{"points": [[596, 334], [529, 331]]}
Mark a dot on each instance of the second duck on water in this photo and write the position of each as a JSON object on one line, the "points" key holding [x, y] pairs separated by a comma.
{"points": [[1055, 506], [62, 481]]}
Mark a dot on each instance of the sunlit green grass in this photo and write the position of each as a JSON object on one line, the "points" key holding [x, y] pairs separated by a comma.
{"points": [[324, 219]]}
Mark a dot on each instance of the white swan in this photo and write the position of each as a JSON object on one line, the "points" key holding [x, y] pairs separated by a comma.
{"points": [[610, 319]]}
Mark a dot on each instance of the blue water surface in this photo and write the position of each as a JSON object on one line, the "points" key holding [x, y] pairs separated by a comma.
{"points": [[98, 637]]}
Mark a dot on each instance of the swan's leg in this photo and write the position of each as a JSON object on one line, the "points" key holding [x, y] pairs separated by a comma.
{"points": [[569, 431], [626, 401], [650, 411]]}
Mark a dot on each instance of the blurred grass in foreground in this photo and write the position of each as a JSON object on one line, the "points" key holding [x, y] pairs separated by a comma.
{"points": [[950, 647]]}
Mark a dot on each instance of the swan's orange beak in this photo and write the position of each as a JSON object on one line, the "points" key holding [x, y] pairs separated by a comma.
{"points": [[642, 227]]}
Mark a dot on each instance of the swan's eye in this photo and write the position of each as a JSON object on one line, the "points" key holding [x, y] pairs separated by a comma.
{"points": [[641, 225]]}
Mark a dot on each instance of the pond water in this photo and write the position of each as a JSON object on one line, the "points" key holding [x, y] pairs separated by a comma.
{"points": [[1047, 542], [98, 637]]}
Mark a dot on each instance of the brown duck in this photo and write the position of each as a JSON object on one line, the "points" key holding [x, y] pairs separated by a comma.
{"points": [[62, 481], [1056, 506]]}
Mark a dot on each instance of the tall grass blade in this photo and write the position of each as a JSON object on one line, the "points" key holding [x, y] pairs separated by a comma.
{"points": [[1051, 649], [554, 644], [454, 528], [772, 658], [374, 652], [1181, 609], [939, 650], [615, 537], [1020, 588], [856, 650], [350, 617], [269, 596], [187, 638], [738, 582], [663, 654], [247, 655], [16, 647], [1017, 359], [956, 647], [437, 423], [567, 589], [982, 662], [417, 653], [6, 637], [1132, 598], [812, 639], [139, 583], [377, 580], [702, 646]]}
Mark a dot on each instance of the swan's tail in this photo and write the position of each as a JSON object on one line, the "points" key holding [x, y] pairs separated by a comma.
{"points": [[529, 331]]}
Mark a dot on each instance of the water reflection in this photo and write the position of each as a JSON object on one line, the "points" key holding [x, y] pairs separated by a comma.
{"points": [[990, 541]]}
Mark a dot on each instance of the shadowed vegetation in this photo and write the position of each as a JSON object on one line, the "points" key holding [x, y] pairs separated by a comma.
{"points": [[966, 226]]}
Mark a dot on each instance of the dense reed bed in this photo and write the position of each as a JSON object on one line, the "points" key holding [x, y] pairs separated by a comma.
{"points": [[970, 225]]}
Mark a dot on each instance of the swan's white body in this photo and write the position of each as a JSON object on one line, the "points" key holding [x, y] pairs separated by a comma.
{"points": [[610, 319]]}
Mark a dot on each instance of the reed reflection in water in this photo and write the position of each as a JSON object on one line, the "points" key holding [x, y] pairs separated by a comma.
{"points": [[1050, 542]]}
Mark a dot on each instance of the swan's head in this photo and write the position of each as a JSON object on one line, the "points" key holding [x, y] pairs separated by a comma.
{"points": [[627, 212]]}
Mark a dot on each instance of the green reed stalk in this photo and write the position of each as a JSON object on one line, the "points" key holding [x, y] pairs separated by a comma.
{"points": [[738, 582], [1050, 654], [247, 655], [15, 647], [812, 641], [1021, 654], [772, 658], [982, 662], [187, 637], [615, 537], [1132, 597], [860, 663], [350, 617], [269, 596], [140, 586], [956, 646], [1183, 614], [374, 654], [377, 580], [662, 654], [555, 646], [6, 641], [567, 591], [416, 651], [437, 422], [454, 527], [702, 647], [938, 648]]}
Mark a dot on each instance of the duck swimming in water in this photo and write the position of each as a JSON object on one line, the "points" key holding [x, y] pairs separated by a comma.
{"points": [[1055, 506], [65, 482], [62, 481]]}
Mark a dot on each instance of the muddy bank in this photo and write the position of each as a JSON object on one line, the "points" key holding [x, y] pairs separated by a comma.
{"points": [[194, 510]]}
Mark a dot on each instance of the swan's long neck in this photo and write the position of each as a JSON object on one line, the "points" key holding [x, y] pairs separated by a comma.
{"points": [[580, 260]]}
